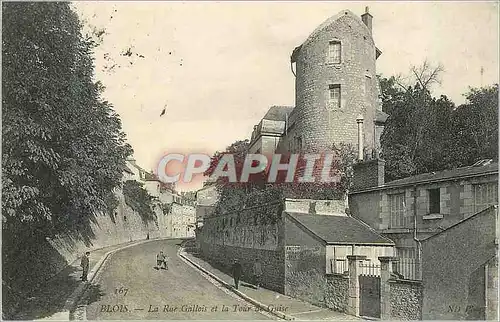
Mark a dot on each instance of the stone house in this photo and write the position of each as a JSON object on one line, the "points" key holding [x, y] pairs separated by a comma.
{"points": [[180, 221], [411, 209], [335, 84]]}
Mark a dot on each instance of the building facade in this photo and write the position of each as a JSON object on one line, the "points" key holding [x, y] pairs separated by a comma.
{"points": [[335, 84], [412, 209]]}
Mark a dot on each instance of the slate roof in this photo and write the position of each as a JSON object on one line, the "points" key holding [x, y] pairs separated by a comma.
{"points": [[457, 173], [278, 113], [339, 229]]}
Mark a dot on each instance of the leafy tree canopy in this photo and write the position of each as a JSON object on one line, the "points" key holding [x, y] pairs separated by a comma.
{"points": [[63, 149], [425, 133]]}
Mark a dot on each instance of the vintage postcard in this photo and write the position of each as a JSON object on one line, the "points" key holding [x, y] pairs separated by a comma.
{"points": [[166, 160]]}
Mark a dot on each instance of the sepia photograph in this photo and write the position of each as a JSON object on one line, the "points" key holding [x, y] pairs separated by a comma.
{"points": [[250, 160]]}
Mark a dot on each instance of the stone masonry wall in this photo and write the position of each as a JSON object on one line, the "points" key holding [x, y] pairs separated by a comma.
{"points": [[305, 273], [368, 174], [318, 124], [406, 300], [337, 292], [125, 226], [492, 290], [272, 261], [246, 235]]}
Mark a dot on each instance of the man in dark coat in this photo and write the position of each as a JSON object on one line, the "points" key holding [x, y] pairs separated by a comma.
{"points": [[85, 265], [237, 272]]}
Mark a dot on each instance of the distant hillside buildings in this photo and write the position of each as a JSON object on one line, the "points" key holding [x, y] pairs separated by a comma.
{"points": [[178, 217]]}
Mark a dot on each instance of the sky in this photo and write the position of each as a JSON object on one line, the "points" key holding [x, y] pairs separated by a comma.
{"points": [[219, 66]]}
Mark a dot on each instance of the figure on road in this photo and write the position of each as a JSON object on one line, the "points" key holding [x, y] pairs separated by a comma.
{"points": [[257, 273], [161, 261], [85, 265], [237, 272]]}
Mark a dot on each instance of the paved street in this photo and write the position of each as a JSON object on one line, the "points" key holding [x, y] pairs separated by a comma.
{"points": [[128, 287]]}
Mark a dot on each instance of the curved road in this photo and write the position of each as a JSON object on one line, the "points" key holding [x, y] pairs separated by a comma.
{"points": [[179, 293]]}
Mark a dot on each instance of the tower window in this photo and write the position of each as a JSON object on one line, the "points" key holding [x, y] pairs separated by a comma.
{"points": [[334, 97], [334, 52]]}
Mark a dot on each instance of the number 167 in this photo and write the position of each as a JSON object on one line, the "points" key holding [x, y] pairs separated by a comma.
{"points": [[121, 291]]}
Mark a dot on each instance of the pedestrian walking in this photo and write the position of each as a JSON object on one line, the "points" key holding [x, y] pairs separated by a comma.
{"points": [[84, 263], [257, 273], [237, 272], [160, 260]]}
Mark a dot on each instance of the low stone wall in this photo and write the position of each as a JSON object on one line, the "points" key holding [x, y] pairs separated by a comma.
{"points": [[272, 261], [308, 286], [337, 292], [305, 273], [306, 279], [406, 300]]}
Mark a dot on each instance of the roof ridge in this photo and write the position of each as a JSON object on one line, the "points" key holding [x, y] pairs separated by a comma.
{"points": [[331, 20], [371, 228], [484, 211]]}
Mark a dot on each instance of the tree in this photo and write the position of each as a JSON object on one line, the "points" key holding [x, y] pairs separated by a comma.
{"points": [[424, 133], [63, 147], [138, 198], [425, 75], [475, 125], [230, 194]]}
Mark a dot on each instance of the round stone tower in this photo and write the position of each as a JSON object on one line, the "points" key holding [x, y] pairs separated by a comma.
{"points": [[336, 82]]}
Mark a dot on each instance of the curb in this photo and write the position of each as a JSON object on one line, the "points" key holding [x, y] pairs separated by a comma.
{"points": [[237, 292], [73, 299]]}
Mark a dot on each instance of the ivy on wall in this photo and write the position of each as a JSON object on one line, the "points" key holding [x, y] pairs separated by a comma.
{"points": [[137, 198], [261, 196]]}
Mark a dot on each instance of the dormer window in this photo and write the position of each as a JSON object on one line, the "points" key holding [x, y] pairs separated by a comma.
{"points": [[334, 52]]}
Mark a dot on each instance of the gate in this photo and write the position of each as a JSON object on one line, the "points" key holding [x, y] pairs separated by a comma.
{"points": [[369, 291]]}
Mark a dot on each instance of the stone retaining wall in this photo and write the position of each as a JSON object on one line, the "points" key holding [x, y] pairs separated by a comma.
{"points": [[337, 292], [272, 261], [406, 300]]}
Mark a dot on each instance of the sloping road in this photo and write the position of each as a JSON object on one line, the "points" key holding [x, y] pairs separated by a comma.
{"points": [[130, 288]]}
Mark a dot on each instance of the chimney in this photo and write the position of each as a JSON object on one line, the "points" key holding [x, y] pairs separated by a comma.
{"points": [[370, 173], [359, 120], [367, 19]]}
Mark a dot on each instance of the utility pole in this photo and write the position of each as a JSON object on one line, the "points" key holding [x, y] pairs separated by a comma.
{"points": [[482, 73]]}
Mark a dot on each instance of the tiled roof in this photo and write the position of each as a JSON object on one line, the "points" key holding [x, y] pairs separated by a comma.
{"points": [[339, 229], [278, 113], [446, 174]]}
